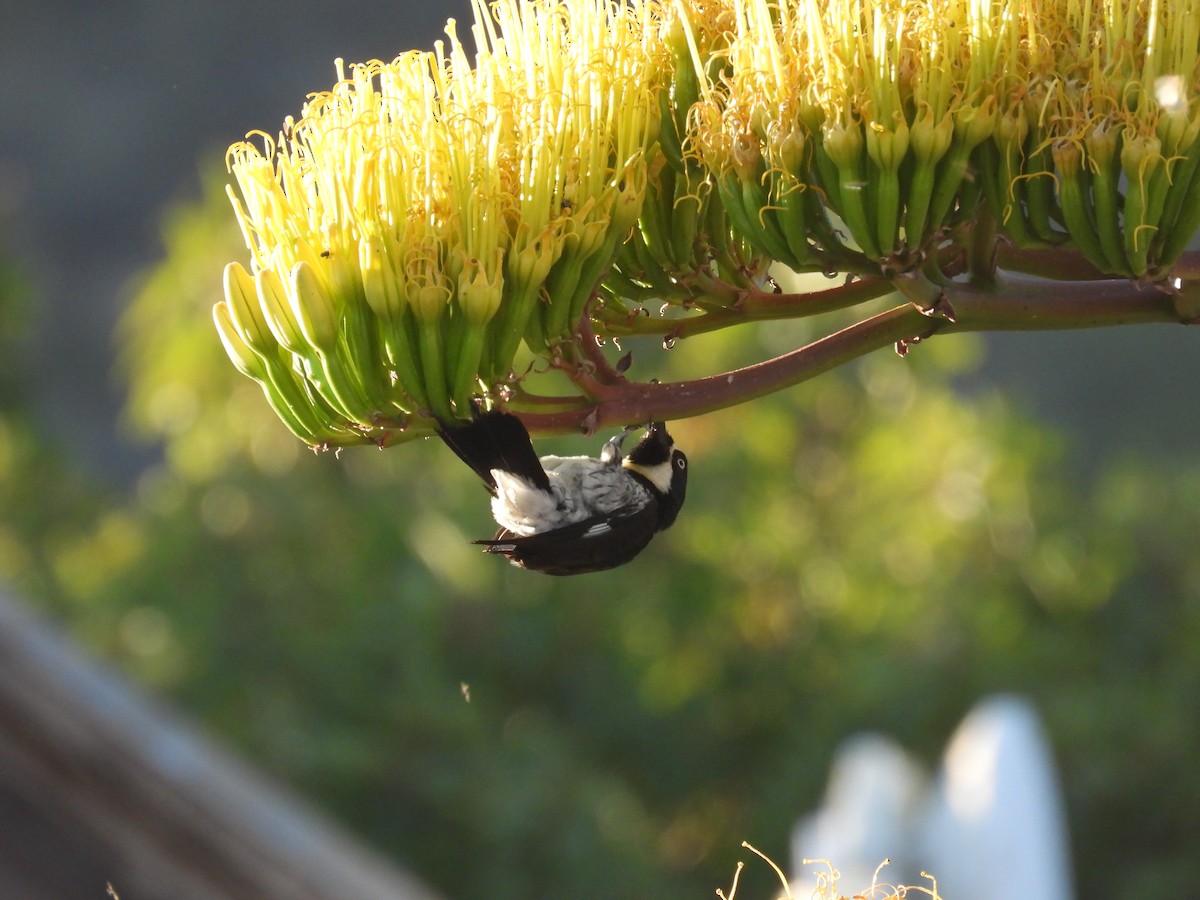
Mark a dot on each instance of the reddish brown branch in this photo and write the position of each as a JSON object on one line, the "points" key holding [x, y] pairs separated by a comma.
{"points": [[1011, 305], [755, 306], [631, 402], [1187, 266]]}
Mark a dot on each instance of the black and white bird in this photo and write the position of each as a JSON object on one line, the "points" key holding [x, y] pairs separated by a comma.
{"points": [[566, 515]]}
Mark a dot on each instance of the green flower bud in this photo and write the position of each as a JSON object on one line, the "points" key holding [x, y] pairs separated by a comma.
{"points": [[793, 153], [244, 311], [272, 300], [930, 140], [428, 301], [1141, 155], [478, 295], [631, 194], [530, 265], [885, 146], [1177, 132], [380, 286], [844, 144], [313, 307], [243, 358], [974, 123]]}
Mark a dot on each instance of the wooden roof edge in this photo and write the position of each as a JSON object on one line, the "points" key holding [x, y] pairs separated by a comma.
{"points": [[178, 815]]}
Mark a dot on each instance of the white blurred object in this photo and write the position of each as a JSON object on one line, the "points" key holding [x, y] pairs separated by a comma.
{"points": [[876, 790], [1171, 93], [990, 827], [995, 827]]}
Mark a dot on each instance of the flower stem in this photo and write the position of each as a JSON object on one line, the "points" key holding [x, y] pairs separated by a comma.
{"points": [[754, 306], [1010, 305]]}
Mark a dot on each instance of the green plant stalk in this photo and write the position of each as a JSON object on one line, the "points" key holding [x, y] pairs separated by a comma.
{"points": [[1106, 174], [685, 224], [792, 217], [1137, 231], [757, 207], [401, 352], [323, 372], [614, 303], [730, 189], [561, 284], [927, 145], [503, 332], [715, 232], [1181, 179], [887, 208], [618, 284], [453, 329], [641, 261], [510, 325], [321, 407], [917, 201], [1074, 194], [1039, 197], [467, 365], [293, 408], [348, 379], [288, 417], [832, 253], [970, 195], [736, 260], [981, 243], [1006, 193], [949, 181], [362, 350], [951, 171], [668, 136], [591, 272], [1156, 199], [685, 91], [429, 338], [524, 403], [887, 150], [654, 223], [852, 185], [826, 171], [755, 306], [708, 292], [1176, 240], [989, 154]]}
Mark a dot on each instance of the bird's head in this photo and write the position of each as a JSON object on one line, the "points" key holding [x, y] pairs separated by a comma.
{"points": [[657, 460]]}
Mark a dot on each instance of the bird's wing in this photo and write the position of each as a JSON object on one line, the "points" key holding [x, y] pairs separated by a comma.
{"points": [[595, 544], [496, 440]]}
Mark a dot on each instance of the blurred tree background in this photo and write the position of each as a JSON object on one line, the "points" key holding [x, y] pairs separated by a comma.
{"points": [[870, 550]]}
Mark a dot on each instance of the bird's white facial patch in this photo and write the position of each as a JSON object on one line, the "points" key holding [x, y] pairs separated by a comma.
{"points": [[658, 475]]}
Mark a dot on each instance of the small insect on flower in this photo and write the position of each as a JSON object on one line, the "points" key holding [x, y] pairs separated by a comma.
{"points": [[566, 515]]}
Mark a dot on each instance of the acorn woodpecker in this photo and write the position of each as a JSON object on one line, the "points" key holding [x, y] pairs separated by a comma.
{"points": [[566, 515]]}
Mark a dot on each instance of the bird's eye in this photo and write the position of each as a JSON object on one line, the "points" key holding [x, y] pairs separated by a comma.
{"points": [[681, 463]]}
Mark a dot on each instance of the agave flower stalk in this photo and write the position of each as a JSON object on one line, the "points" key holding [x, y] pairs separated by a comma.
{"points": [[430, 227]]}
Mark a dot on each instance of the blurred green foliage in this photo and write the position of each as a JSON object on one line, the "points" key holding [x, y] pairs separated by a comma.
{"points": [[869, 550]]}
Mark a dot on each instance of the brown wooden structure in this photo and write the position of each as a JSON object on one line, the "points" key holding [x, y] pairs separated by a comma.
{"points": [[100, 784]]}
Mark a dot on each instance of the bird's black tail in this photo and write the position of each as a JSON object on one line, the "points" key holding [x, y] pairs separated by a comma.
{"points": [[496, 440]]}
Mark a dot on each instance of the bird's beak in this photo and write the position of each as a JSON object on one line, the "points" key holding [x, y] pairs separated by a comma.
{"points": [[658, 432]]}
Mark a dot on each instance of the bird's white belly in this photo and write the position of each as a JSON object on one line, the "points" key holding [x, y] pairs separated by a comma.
{"points": [[580, 487]]}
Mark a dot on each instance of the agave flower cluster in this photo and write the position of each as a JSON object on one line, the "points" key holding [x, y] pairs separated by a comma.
{"points": [[901, 119], [428, 218], [406, 232]]}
